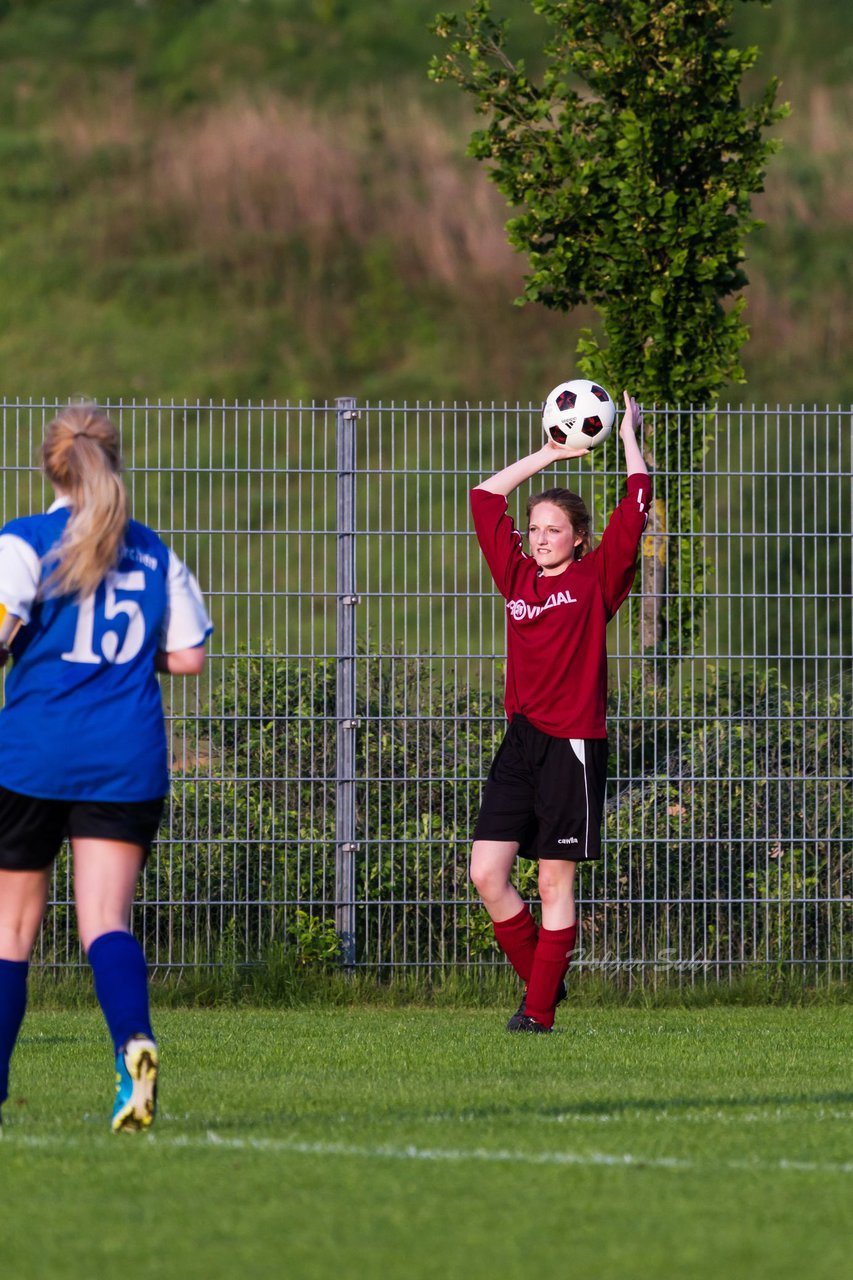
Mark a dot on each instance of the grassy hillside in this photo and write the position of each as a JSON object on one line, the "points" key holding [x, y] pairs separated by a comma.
{"points": [[267, 199]]}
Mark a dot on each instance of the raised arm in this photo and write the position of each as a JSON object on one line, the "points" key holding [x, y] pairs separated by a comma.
{"points": [[631, 423], [507, 481]]}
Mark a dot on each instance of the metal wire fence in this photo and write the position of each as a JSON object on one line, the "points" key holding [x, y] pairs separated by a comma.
{"points": [[327, 766]]}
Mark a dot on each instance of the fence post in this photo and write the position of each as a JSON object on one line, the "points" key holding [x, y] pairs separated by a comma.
{"points": [[345, 684]]}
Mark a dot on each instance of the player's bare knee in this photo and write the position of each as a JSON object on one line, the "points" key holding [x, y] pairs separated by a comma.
{"points": [[16, 943], [488, 876], [485, 881], [556, 883]]}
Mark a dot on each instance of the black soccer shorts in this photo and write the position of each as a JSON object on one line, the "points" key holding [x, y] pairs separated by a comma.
{"points": [[32, 829], [545, 793]]}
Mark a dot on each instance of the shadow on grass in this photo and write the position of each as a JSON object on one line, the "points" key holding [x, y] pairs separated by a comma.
{"points": [[305, 1116]]}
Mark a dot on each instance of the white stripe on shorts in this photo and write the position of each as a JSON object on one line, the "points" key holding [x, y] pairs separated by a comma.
{"points": [[579, 748]]}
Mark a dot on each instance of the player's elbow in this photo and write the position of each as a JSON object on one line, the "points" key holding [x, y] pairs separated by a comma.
{"points": [[182, 662]]}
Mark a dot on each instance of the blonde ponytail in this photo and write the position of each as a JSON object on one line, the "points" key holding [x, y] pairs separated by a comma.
{"points": [[82, 459]]}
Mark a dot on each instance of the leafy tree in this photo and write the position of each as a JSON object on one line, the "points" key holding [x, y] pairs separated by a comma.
{"points": [[631, 167]]}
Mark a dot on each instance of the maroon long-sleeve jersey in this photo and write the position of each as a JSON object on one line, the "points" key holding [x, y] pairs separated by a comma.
{"points": [[556, 671]]}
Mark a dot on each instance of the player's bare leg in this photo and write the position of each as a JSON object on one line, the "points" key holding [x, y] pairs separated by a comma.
{"points": [[554, 945], [23, 896], [105, 877], [516, 931], [491, 866], [557, 892]]}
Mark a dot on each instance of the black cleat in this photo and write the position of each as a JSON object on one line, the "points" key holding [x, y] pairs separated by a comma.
{"points": [[526, 1023], [518, 1017]]}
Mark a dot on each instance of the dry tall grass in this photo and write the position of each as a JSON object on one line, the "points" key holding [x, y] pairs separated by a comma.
{"points": [[280, 170], [272, 188], [798, 302], [810, 182]]}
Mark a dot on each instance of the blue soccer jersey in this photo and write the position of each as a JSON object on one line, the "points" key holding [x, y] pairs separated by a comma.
{"points": [[83, 715]]}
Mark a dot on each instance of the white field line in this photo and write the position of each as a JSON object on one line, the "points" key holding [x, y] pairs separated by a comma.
{"points": [[338, 1150], [782, 1115]]}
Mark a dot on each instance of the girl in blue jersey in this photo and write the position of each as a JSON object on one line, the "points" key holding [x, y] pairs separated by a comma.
{"points": [[101, 605]]}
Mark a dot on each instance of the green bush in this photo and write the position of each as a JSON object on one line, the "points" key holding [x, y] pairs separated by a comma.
{"points": [[726, 813]]}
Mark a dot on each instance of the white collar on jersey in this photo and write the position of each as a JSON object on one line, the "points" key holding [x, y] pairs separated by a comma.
{"points": [[64, 501]]}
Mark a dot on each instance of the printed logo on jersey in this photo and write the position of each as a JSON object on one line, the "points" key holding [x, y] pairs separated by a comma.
{"points": [[521, 611], [568, 840], [141, 557]]}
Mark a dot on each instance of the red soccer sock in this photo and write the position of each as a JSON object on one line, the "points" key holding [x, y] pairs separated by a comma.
{"points": [[516, 938], [550, 963]]}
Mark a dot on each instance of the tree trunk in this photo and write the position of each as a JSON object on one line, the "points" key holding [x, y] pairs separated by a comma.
{"points": [[653, 564], [653, 577]]}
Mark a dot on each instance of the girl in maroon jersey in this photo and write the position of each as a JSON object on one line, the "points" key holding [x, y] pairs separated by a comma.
{"points": [[544, 796]]}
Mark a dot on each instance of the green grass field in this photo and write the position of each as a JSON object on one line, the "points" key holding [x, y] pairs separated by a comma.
{"points": [[429, 1143]]}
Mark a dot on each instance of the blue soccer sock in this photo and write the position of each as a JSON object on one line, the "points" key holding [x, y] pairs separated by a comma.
{"points": [[13, 1004], [121, 985]]}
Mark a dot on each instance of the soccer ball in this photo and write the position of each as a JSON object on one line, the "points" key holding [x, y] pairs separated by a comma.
{"points": [[579, 414]]}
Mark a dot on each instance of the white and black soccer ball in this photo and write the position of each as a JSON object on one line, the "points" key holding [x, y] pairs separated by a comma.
{"points": [[579, 414]]}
